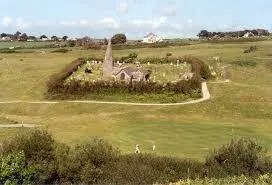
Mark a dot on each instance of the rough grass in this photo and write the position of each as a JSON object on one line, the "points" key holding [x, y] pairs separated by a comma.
{"points": [[240, 108]]}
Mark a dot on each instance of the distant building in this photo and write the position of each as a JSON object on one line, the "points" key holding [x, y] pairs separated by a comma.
{"points": [[248, 35], [6, 39], [152, 38]]}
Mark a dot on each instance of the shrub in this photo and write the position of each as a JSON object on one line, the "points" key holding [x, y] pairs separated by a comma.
{"points": [[149, 45], [244, 63], [130, 58], [78, 89], [200, 69], [251, 49], [7, 51], [55, 83], [169, 54], [151, 169], [38, 149], [244, 156], [14, 170], [61, 50], [119, 38], [84, 164]]}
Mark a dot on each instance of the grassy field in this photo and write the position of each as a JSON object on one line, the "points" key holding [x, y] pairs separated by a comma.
{"points": [[23, 44], [240, 108]]}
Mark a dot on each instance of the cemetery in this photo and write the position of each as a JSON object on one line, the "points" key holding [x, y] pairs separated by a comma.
{"points": [[163, 78]]}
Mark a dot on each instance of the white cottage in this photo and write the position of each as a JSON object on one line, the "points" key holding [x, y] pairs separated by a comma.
{"points": [[152, 38]]}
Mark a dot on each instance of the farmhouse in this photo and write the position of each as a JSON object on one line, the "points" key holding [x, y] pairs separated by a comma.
{"points": [[152, 38]]}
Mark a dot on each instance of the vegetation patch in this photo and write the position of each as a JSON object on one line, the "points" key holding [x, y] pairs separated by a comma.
{"points": [[61, 50], [8, 51], [268, 65], [150, 45], [251, 49], [245, 63], [34, 157]]}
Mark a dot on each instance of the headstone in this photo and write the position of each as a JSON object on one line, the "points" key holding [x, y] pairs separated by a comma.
{"points": [[171, 64], [148, 63], [177, 63], [154, 78]]}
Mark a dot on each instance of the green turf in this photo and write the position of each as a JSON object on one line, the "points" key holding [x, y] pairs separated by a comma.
{"points": [[240, 108]]}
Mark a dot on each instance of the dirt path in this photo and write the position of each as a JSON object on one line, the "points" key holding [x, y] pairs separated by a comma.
{"points": [[18, 125], [205, 96]]}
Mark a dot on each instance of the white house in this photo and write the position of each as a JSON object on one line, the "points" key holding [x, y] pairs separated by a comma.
{"points": [[6, 38], [248, 34], [152, 38]]}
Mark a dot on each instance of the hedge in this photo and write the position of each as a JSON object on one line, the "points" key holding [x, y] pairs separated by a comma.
{"points": [[57, 88]]}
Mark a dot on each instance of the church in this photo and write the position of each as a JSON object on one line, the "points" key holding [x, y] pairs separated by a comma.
{"points": [[129, 73]]}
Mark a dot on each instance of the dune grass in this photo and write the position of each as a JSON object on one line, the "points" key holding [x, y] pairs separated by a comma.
{"points": [[242, 107]]}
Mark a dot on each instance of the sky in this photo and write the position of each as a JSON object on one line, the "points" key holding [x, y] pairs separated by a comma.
{"points": [[135, 18]]}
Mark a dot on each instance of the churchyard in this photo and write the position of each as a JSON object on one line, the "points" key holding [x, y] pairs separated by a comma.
{"points": [[240, 108]]}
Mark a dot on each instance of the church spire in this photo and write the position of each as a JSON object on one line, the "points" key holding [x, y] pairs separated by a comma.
{"points": [[108, 61]]}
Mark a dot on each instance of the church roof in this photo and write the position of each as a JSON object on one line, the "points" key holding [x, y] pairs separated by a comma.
{"points": [[130, 70]]}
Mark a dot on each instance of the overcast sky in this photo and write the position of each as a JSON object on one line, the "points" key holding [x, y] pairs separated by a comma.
{"points": [[103, 18]]}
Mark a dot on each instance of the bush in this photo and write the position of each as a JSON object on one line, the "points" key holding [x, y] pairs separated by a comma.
{"points": [[169, 54], [251, 49], [244, 156], [7, 51], [61, 50], [56, 81], [200, 69], [85, 163], [130, 58], [149, 45], [151, 169], [38, 149], [79, 89], [119, 38], [14, 170]]}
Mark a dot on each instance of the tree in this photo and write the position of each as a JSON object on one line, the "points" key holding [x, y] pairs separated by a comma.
{"points": [[4, 35], [105, 41], [65, 38], [204, 33], [119, 38], [18, 33], [23, 37], [43, 37], [54, 38]]}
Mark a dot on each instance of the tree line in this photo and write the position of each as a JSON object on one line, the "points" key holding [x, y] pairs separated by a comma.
{"points": [[255, 32], [24, 37]]}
